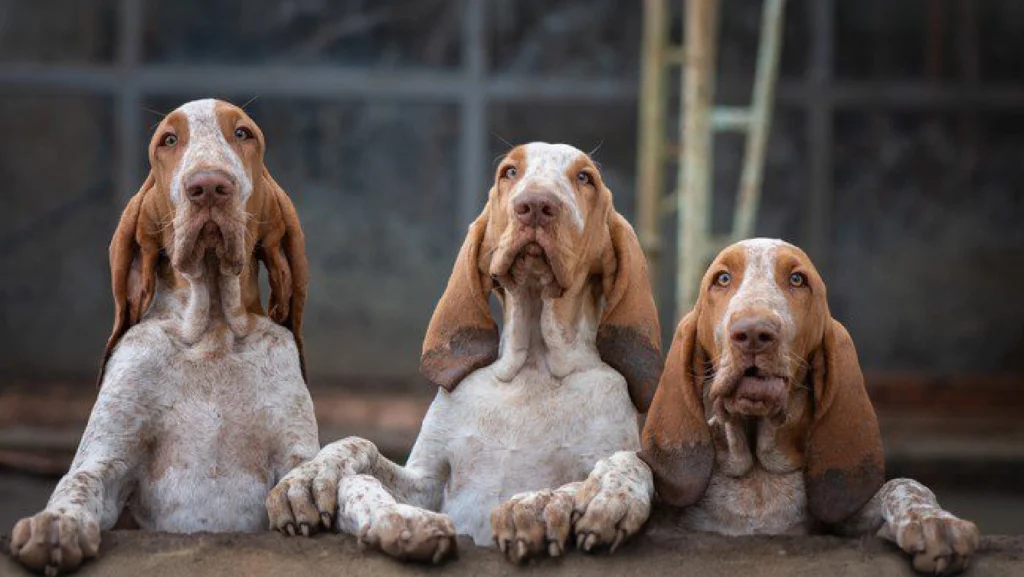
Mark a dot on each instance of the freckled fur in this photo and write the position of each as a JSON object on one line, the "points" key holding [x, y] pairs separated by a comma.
{"points": [[203, 406], [761, 487], [546, 433]]}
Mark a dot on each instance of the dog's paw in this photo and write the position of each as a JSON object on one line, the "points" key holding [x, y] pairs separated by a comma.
{"points": [[611, 505], [306, 499], [531, 524], [410, 534], [52, 543], [939, 542]]}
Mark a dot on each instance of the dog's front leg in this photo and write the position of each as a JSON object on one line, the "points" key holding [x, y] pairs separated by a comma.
{"points": [[604, 510], [350, 486], [93, 492], [908, 514]]}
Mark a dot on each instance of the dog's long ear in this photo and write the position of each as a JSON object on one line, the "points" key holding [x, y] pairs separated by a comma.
{"points": [[629, 336], [283, 251], [676, 438], [134, 251], [845, 461], [462, 335]]}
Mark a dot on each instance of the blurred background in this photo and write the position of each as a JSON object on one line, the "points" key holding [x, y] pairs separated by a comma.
{"points": [[895, 157]]}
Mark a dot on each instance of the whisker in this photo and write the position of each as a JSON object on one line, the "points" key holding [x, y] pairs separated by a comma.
{"points": [[250, 101], [596, 148], [507, 143]]}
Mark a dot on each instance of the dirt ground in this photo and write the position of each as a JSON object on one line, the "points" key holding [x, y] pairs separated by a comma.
{"points": [[660, 551]]}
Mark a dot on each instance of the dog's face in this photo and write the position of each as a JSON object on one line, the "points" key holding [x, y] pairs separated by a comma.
{"points": [[548, 231], [207, 213], [762, 334], [205, 157], [763, 311], [547, 223]]}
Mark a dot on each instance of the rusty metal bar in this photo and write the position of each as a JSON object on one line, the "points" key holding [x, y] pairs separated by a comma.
{"points": [[760, 118], [694, 174], [651, 140], [730, 119]]}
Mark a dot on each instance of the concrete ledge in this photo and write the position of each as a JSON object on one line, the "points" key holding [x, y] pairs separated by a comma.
{"points": [[658, 552]]}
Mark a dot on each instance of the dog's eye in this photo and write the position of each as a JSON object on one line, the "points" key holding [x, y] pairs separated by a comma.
{"points": [[723, 279], [243, 133], [797, 280], [583, 178], [509, 172], [168, 140]]}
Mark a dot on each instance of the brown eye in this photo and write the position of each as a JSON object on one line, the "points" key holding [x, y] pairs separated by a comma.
{"points": [[168, 139], [509, 172], [243, 133], [797, 280], [723, 279], [583, 178]]}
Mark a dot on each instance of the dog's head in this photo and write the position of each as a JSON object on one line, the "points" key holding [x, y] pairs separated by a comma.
{"points": [[759, 333], [548, 226], [208, 199]]}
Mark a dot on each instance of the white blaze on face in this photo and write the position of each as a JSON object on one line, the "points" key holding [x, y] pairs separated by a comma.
{"points": [[546, 166], [207, 148], [758, 288]]}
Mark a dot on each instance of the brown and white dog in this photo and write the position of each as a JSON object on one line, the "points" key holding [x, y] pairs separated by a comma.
{"points": [[533, 433], [202, 405], [792, 443]]}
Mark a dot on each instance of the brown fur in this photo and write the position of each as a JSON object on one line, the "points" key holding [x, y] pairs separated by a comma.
{"points": [[604, 256], [143, 242], [835, 440]]}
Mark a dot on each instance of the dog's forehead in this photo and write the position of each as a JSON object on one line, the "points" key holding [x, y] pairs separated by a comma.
{"points": [[547, 157]]}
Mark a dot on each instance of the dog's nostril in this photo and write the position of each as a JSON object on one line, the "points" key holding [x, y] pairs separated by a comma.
{"points": [[195, 191], [765, 337], [221, 190], [522, 208], [739, 337]]}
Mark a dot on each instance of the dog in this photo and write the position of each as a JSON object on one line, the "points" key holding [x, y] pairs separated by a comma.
{"points": [[762, 425], [533, 434], [203, 405]]}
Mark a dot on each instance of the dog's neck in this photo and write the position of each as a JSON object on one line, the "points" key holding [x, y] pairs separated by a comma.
{"points": [[206, 302], [553, 335], [743, 443]]}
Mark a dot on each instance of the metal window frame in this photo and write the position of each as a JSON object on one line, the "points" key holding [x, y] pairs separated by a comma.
{"points": [[474, 88]]}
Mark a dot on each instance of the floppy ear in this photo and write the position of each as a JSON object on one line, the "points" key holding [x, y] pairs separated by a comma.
{"points": [[462, 336], [676, 439], [845, 461], [629, 337], [283, 251], [134, 252]]}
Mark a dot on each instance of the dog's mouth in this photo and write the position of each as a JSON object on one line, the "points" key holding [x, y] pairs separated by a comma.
{"points": [[528, 264], [205, 236], [757, 392]]}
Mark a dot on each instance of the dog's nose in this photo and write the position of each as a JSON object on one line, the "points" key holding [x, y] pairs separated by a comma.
{"points": [[536, 208], [208, 186], [754, 334]]}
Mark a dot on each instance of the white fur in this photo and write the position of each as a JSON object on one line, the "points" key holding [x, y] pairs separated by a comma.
{"points": [[546, 166], [770, 498], [758, 287], [197, 417], [497, 436], [206, 146], [547, 414]]}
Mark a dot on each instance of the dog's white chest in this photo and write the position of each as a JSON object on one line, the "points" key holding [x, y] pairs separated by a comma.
{"points": [[760, 502], [528, 434], [220, 415]]}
